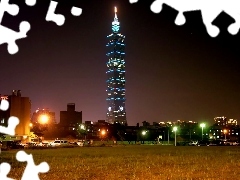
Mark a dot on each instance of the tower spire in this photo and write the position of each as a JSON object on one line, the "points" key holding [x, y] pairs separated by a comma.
{"points": [[115, 23], [115, 10]]}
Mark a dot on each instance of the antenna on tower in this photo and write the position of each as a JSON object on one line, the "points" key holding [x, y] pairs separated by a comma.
{"points": [[115, 23], [115, 10]]}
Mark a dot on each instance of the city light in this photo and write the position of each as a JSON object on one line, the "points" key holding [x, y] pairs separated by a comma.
{"points": [[175, 130], [202, 125], [225, 133], [82, 126], [144, 133], [43, 119], [103, 132]]}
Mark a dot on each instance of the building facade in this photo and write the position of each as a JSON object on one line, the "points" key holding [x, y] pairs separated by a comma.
{"points": [[224, 129], [19, 107], [116, 112], [70, 118]]}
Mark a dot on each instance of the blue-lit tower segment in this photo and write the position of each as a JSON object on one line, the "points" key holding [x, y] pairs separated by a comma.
{"points": [[116, 112]]}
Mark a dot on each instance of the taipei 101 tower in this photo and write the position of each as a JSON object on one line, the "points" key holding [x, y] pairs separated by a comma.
{"points": [[116, 112]]}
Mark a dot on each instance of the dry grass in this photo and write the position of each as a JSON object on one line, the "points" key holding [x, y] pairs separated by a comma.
{"points": [[140, 162]]}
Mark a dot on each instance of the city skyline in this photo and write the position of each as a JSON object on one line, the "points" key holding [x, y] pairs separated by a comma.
{"points": [[172, 72]]}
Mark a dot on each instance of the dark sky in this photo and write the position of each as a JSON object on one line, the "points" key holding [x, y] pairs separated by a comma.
{"points": [[172, 72]]}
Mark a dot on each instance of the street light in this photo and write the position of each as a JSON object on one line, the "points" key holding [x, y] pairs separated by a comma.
{"points": [[175, 130], [82, 130], [202, 125], [225, 133], [103, 132], [144, 132], [82, 126], [168, 134], [43, 119]]}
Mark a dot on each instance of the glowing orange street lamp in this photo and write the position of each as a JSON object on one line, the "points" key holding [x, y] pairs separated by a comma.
{"points": [[103, 132], [43, 119], [225, 133]]}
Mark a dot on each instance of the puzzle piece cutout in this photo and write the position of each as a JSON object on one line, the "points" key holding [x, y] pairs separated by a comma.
{"points": [[133, 1], [4, 170], [76, 11], [59, 19], [30, 2], [12, 9], [209, 10], [4, 105], [7, 35], [12, 123], [31, 171]]}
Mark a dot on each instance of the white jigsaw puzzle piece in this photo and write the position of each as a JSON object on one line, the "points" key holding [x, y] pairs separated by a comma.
{"points": [[30, 2], [12, 123], [76, 11], [51, 16], [59, 19], [4, 105], [209, 10], [133, 1], [31, 171], [6, 7], [4, 170], [7, 35]]}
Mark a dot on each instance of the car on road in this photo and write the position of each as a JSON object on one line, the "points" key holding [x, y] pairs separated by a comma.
{"points": [[203, 143], [7, 145], [59, 143], [193, 143], [231, 143]]}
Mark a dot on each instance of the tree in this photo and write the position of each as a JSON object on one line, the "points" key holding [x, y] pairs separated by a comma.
{"points": [[81, 130], [38, 129]]}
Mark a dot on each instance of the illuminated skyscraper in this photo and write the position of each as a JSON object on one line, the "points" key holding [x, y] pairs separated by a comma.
{"points": [[116, 75]]}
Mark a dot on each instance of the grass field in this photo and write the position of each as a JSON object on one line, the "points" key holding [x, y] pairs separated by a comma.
{"points": [[143, 162]]}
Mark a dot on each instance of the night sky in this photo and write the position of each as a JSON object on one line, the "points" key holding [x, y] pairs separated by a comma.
{"points": [[172, 72]]}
